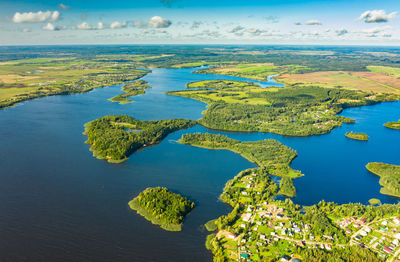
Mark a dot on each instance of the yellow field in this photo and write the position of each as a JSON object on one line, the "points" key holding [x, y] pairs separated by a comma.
{"points": [[377, 82]]}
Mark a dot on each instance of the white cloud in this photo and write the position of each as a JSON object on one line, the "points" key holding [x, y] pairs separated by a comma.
{"points": [[26, 30], [62, 6], [341, 32], [159, 22], [196, 24], [117, 25], [31, 17], [87, 26], [297, 23], [236, 29], [52, 27], [376, 30], [313, 22], [139, 24], [84, 26], [376, 16]]}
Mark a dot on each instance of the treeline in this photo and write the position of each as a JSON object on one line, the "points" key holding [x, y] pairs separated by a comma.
{"points": [[348, 254], [162, 207], [389, 177], [392, 125], [131, 89], [269, 154], [357, 136], [84, 84], [291, 111], [286, 187], [114, 138]]}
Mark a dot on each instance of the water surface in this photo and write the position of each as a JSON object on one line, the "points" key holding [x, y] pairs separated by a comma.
{"points": [[60, 204]]}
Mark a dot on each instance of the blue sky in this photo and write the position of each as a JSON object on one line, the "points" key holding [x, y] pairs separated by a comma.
{"points": [[200, 22]]}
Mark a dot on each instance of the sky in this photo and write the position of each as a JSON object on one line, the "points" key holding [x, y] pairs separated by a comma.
{"points": [[323, 22]]}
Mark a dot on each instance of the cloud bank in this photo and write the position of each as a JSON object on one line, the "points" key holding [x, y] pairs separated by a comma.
{"points": [[31, 17]]}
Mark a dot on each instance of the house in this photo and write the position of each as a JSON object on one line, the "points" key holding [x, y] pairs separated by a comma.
{"points": [[387, 250], [396, 220], [348, 231], [363, 233], [363, 220], [384, 223], [328, 247], [244, 193], [285, 258], [230, 235]]}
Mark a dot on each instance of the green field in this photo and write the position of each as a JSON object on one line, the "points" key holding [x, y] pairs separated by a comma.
{"points": [[292, 110], [25, 79]]}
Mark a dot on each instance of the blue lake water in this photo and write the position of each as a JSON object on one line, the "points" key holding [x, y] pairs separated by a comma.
{"points": [[58, 203]]}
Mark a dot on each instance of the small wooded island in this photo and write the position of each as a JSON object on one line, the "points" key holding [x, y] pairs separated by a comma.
{"points": [[162, 207], [357, 136], [393, 125], [389, 177], [114, 138]]}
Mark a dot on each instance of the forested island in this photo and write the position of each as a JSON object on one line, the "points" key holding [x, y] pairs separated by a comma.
{"points": [[114, 138], [357, 136], [269, 154], [389, 177], [132, 89], [392, 125], [162, 207], [292, 111]]}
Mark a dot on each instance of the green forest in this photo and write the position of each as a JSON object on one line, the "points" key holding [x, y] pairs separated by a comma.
{"points": [[389, 177], [132, 89], [357, 136], [393, 125], [286, 187], [162, 207], [269, 154], [292, 111], [114, 138]]}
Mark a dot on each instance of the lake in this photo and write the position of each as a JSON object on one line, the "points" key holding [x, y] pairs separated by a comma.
{"points": [[60, 204]]}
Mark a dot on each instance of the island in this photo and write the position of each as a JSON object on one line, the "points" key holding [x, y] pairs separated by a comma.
{"points": [[132, 89], [115, 138], [389, 177], [357, 136], [392, 125], [291, 111], [162, 207]]}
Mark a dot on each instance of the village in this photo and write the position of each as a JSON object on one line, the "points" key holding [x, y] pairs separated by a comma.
{"points": [[266, 230]]}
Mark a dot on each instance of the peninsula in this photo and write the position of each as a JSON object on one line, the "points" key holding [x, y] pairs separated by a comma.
{"points": [[389, 177], [115, 138]]}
